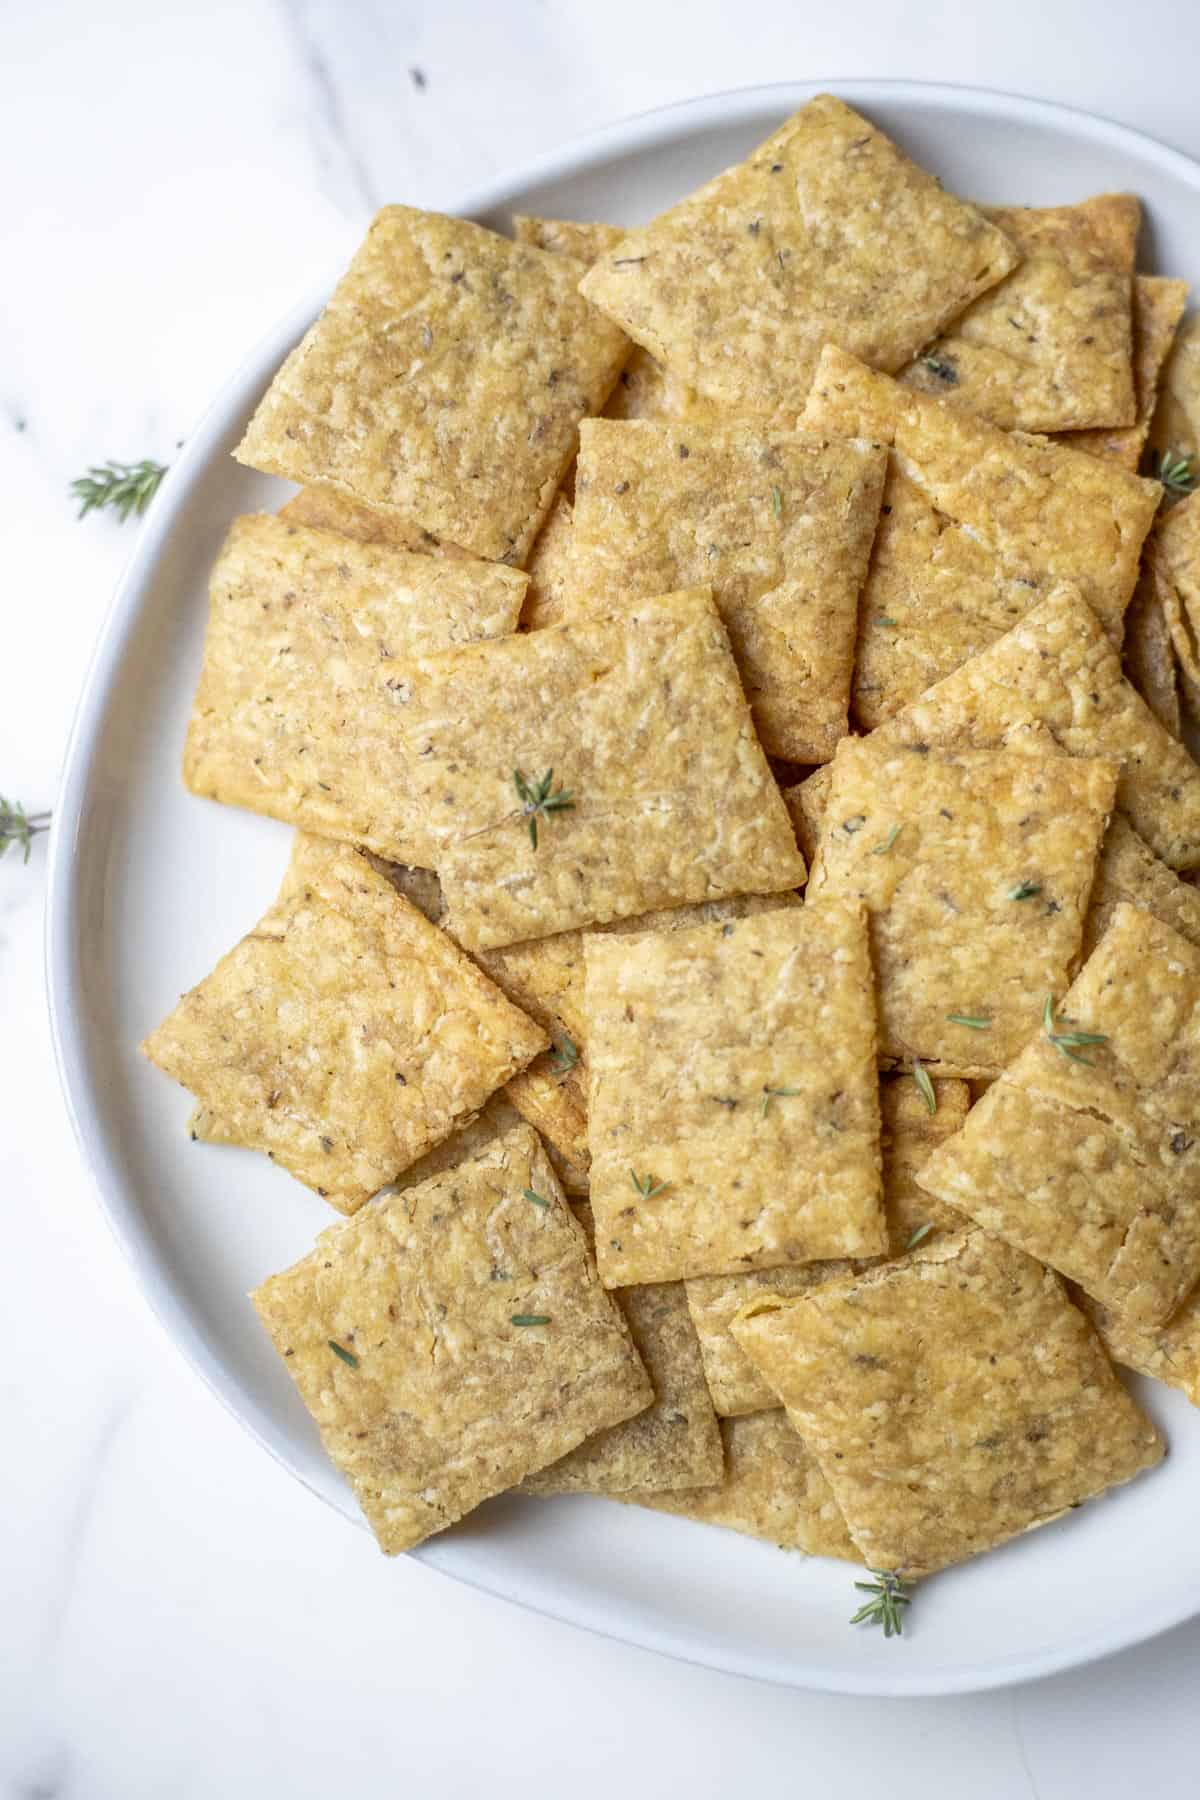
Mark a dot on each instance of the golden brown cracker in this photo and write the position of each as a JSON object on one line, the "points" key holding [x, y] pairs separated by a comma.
{"points": [[345, 1035], [779, 524], [443, 383], [723, 1059], [1129, 870], [827, 233], [953, 1399], [328, 510], [1173, 565], [549, 569], [406, 1332], [1175, 428], [1168, 1353], [1158, 304], [1148, 656], [1086, 1151], [975, 867]]}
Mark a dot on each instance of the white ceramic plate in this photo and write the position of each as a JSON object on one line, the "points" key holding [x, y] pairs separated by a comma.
{"points": [[148, 886]]}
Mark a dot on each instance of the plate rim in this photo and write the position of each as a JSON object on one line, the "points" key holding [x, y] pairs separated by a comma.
{"points": [[636, 133]]}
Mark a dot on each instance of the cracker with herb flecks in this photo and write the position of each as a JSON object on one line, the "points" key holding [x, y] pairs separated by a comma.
{"points": [[773, 1489], [345, 1035], [780, 525], [1173, 566], [827, 233], [1051, 347], [1055, 673], [328, 510], [443, 383], [1148, 657], [451, 1339], [1086, 1151], [910, 1132], [307, 635], [549, 568], [1158, 304], [1129, 870], [977, 526], [975, 867], [953, 1399], [675, 1442], [1168, 1353], [733, 1106], [590, 771]]}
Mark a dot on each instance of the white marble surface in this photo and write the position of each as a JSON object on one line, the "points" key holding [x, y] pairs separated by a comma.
{"points": [[177, 1617]]}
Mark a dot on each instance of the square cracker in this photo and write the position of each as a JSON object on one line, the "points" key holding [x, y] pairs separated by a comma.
{"points": [[733, 1067], [953, 1399], [1129, 870], [1056, 673], [825, 234], [345, 1035], [446, 1401], [938, 845], [778, 523], [978, 525], [910, 1132], [1158, 304], [1168, 1353], [307, 634], [675, 1442], [443, 383], [773, 1489], [1050, 348], [1089, 1156], [638, 715]]}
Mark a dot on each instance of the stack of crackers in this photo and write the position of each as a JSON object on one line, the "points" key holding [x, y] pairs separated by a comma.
{"points": [[635, 582]]}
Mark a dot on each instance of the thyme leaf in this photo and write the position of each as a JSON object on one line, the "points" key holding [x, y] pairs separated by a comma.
{"points": [[926, 1087], [1025, 890], [645, 1185], [530, 1319], [537, 802], [342, 1354], [537, 1199], [1070, 1044], [885, 844], [972, 1021], [779, 1093], [918, 1236]]}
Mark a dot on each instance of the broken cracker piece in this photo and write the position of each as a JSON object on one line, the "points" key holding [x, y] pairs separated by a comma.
{"points": [[953, 1399], [1086, 1151], [451, 1339], [341, 960]]}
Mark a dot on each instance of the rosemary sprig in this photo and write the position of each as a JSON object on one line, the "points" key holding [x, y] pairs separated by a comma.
{"points": [[777, 503], [927, 1091], [885, 844], [530, 1319], [942, 368], [889, 1593], [564, 1056], [342, 1354], [1178, 474], [972, 1021], [645, 1185], [1069, 1043], [918, 1236], [537, 802], [123, 488], [19, 828], [1025, 890], [780, 1093], [536, 1198]]}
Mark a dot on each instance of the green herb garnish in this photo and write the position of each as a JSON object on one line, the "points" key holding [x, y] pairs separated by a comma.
{"points": [[1178, 474], [885, 844], [885, 1609], [538, 802], [972, 1021], [645, 1185], [19, 827], [927, 1090], [1069, 1043], [918, 1236], [530, 1319], [537, 1199], [1025, 890], [882, 619], [122, 487], [564, 1056], [343, 1355], [782, 1093], [942, 368], [777, 503]]}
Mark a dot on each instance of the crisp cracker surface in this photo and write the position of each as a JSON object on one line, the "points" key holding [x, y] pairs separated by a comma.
{"points": [[1148, 656], [345, 1035], [549, 568], [444, 382], [953, 1399], [1168, 1353], [779, 524], [1174, 571], [935, 844], [675, 1442], [977, 526], [1176, 423], [329, 510], [773, 1489], [826, 234], [1056, 673], [554, 1104], [910, 1132], [308, 632], [1158, 304], [688, 1034], [1051, 347], [1092, 1161], [1129, 870], [640, 716], [449, 1401]]}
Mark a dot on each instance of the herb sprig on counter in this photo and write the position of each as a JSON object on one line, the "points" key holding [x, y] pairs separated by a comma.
{"points": [[123, 488], [18, 828]]}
